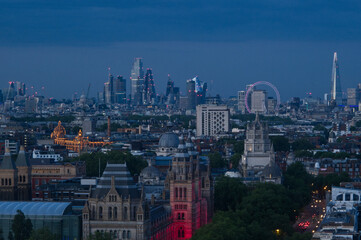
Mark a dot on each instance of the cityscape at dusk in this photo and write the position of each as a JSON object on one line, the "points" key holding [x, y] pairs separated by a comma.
{"points": [[180, 120]]}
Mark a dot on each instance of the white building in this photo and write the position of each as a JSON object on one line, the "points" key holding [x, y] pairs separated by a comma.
{"points": [[259, 101], [212, 120], [39, 154]]}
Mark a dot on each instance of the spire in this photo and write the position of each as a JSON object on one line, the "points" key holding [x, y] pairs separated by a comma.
{"points": [[336, 92], [7, 162], [21, 160]]}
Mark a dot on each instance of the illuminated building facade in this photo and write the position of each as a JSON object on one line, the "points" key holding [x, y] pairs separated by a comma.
{"points": [[149, 88], [78, 144], [191, 193]]}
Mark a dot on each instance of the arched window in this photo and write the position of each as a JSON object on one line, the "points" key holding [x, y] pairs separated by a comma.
{"points": [[110, 213], [181, 232], [93, 212], [10, 181], [339, 197], [2, 181], [110, 198], [124, 235], [202, 182], [180, 192], [134, 213], [100, 213], [176, 192], [115, 212], [24, 178], [185, 193], [125, 213], [129, 234], [355, 197]]}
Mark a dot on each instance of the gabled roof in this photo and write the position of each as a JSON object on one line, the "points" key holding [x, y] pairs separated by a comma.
{"points": [[7, 162], [21, 160], [123, 182]]}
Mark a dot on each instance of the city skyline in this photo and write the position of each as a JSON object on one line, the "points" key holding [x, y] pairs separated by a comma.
{"points": [[161, 75], [59, 44]]}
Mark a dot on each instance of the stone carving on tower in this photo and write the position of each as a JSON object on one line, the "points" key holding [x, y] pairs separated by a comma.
{"points": [[258, 159]]}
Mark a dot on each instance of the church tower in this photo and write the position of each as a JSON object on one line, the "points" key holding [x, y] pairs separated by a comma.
{"points": [[9, 178], [24, 176], [190, 209]]}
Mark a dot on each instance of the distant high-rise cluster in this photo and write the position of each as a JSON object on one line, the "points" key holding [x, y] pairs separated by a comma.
{"points": [[115, 90], [196, 93]]}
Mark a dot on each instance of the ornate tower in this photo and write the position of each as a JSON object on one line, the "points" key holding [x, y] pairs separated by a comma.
{"points": [[24, 176], [9, 178], [189, 206]]}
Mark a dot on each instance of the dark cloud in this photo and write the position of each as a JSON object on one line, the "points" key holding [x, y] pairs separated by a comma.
{"points": [[97, 22]]}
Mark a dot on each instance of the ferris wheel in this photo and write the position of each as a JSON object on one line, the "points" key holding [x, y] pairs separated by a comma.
{"points": [[250, 89]]}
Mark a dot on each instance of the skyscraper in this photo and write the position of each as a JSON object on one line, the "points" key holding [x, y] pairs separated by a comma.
{"points": [[109, 90], [336, 92], [191, 95], [137, 81], [149, 88], [120, 90]]}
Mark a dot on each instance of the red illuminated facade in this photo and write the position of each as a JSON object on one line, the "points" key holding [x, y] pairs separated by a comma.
{"points": [[191, 193]]}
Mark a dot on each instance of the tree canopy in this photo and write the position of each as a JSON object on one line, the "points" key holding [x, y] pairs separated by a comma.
{"points": [[134, 164], [21, 227], [260, 211]]}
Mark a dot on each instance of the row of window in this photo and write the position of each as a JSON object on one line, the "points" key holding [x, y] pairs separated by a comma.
{"points": [[180, 193], [180, 206], [113, 213], [347, 197], [125, 234], [6, 182]]}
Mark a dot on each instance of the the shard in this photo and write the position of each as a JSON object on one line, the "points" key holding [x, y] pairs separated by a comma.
{"points": [[336, 92]]}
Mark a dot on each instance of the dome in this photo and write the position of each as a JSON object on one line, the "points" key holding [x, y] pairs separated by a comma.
{"points": [[150, 172], [169, 140]]}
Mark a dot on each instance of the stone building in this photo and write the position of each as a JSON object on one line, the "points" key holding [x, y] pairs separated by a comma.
{"points": [[120, 207], [15, 177], [117, 206], [191, 192], [258, 159]]}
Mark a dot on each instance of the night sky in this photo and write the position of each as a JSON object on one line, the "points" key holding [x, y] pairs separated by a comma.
{"points": [[65, 45]]}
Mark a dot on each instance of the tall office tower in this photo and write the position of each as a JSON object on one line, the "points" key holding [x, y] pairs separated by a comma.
{"points": [[352, 97], [201, 90], [109, 90], [241, 101], [259, 101], [149, 88], [137, 81], [191, 95], [20, 88], [212, 120], [120, 90], [336, 92], [170, 86]]}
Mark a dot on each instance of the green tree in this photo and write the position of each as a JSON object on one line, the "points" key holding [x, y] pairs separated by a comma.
{"points": [[134, 164], [238, 147], [280, 143], [299, 183], [43, 234], [235, 158], [302, 144], [10, 236], [216, 160], [21, 227], [229, 193]]}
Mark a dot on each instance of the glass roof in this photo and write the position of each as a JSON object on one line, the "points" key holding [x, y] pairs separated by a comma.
{"points": [[34, 208]]}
